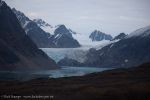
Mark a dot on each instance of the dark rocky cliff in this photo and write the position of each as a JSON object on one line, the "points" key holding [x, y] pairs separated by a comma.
{"points": [[17, 51]]}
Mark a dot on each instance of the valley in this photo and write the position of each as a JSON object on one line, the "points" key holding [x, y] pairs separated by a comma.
{"points": [[50, 50]]}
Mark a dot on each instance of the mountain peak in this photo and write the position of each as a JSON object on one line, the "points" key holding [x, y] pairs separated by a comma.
{"points": [[61, 29], [97, 35], [42, 23], [120, 36], [21, 17], [19, 13]]}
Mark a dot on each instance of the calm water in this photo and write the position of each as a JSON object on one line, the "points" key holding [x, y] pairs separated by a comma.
{"points": [[63, 72], [71, 71]]}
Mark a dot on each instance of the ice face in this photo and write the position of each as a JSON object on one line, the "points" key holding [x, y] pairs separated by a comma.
{"points": [[57, 54]]}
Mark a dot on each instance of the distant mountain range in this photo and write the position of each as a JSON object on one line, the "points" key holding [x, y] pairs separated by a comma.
{"points": [[17, 51], [45, 35], [130, 50]]}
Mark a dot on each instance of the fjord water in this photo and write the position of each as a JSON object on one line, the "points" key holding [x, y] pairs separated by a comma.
{"points": [[65, 71]]}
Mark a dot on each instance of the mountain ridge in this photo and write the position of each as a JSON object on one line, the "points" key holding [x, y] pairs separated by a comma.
{"points": [[44, 35]]}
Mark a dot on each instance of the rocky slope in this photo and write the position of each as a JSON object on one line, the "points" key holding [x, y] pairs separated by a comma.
{"points": [[37, 34], [17, 51]]}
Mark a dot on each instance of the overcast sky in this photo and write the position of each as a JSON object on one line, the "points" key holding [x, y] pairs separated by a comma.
{"points": [[84, 16]]}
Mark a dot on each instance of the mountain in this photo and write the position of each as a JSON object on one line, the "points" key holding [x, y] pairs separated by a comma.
{"points": [[120, 36], [63, 38], [46, 36], [99, 36], [129, 51], [18, 52], [34, 31], [132, 50], [44, 25], [60, 35]]}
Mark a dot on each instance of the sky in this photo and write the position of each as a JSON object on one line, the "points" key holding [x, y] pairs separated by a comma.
{"points": [[84, 16]]}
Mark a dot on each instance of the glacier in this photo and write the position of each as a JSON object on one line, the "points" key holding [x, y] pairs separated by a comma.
{"points": [[78, 54]]}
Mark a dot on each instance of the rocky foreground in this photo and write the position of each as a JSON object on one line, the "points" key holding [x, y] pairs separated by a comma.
{"points": [[118, 84]]}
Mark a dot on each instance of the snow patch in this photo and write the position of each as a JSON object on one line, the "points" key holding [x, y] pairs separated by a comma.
{"points": [[26, 23], [48, 29], [105, 43], [45, 26]]}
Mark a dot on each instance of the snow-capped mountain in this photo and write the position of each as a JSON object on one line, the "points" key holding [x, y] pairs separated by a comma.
{"points": [[49, 28], [63, 37], [99, 36], [45, 26], [60, 35], [38, 35], [45, 35], [40, 23], [132, 50]]}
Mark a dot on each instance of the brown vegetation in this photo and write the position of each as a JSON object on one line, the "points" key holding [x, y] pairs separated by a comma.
{"points": [[118, 84]]}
